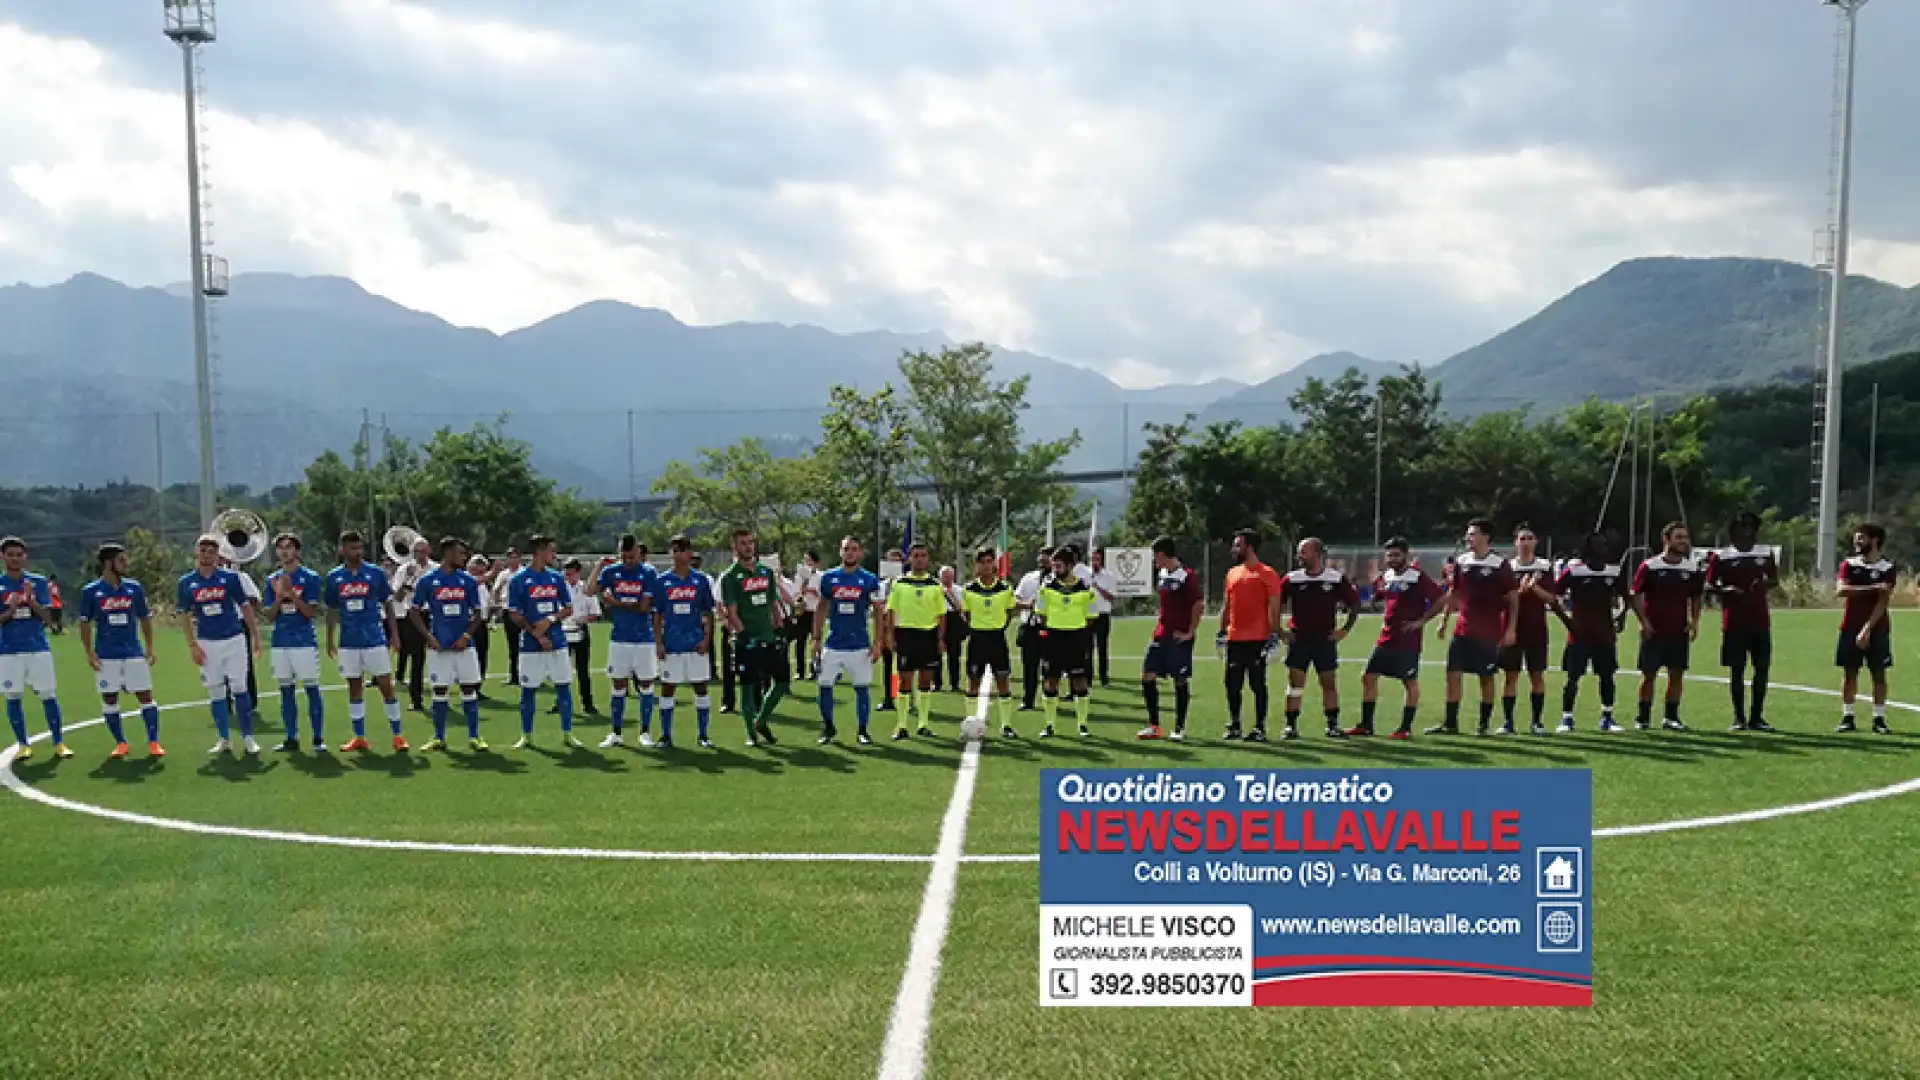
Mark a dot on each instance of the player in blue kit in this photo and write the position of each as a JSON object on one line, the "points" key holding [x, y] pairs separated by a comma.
{"points": [[537, 598], [116, 630], [683, 608], [294, 591], [451, 598], [26, 660], [625, 589], [846, 641], [356, 595], [214, 608]]}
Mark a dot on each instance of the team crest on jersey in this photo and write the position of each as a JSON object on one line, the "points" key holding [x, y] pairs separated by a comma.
{"points": [[208, 593]]}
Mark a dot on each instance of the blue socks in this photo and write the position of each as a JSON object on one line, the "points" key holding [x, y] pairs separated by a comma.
{"points": [[666, 720], [700, 711], [470, 704], [113, 727], [862, 704], [244, 704], [315, 711], [618, 713], [646, 709], [526, 710], [52, 708], [289, 713], [150, 715], [563, 697], [440, 717], [357, 712], [393, 715], [17, 719], [220, 724], [826, 706]]}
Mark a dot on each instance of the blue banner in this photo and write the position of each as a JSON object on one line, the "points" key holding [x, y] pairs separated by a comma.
{"points": [[1316, 887]]}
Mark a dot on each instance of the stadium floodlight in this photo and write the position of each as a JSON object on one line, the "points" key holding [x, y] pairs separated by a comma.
{"points": [[1842, 181], [190, 25]]}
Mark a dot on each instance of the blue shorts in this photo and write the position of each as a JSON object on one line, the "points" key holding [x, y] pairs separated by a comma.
{"points": [[1168, 658]]}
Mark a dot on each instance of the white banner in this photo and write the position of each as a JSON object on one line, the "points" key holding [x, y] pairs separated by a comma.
{"points": [[1133, 570]]}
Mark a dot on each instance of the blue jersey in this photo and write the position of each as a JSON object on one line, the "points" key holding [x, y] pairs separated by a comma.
{"points": [[292, 630], [848, 596], [539, 595], [630, 628], [215, 600], [681, 602], [115, 614], [360, 596], [451, 601], [24, 632]]}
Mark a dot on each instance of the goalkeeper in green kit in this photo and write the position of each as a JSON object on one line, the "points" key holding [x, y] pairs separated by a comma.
{"points": [[754, 611]]}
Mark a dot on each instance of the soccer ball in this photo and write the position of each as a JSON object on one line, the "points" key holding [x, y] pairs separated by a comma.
{"points": [[973, 729]]}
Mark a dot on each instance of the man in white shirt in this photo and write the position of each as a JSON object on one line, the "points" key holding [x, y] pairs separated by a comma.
{"points": [[806, 586], [1025, 596], [577, 624], [252, 589], [956, 631], [723, 637], [1104, 582], [413, 647], [502, 577], [482, 572]]}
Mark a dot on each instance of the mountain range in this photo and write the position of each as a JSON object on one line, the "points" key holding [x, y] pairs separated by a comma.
{"points": [[303, 360]]}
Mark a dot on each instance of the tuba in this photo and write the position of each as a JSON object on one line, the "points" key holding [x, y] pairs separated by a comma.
{"points": [[243, 536], [399, 542]]}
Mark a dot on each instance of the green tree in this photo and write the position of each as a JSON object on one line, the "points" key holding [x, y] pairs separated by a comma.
{"points": [[1161, 502], [741, 484], [860, 464], [155, 564]]}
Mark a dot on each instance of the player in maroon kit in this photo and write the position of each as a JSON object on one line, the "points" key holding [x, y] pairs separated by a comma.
{"points": [[1529, 647], [1866, 583], [1593, 594], [1311, 594], [1171, 652], [1482, 587], [1666, 596], [1740, 575], [1412, 598]]}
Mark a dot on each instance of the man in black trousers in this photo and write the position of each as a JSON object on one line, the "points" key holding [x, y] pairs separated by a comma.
{"points": [[1032, 645]]}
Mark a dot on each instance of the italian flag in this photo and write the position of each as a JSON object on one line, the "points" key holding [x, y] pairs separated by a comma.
{"points": [[1004, 567]]}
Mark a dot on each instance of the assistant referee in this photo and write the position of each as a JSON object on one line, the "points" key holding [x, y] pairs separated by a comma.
{"points": [[916, 620], [988, 604]]}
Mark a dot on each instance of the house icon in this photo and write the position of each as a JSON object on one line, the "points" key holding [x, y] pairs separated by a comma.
{"points": [[1560, 875]]}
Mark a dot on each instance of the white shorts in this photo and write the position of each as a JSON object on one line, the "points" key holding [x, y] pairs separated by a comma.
{"points": [[626, 660], [855, 664], [22, 671], [298, 665], [128, 676], [226, 665], [538, 666], [686, 669], [453, 668], [365, 663]]}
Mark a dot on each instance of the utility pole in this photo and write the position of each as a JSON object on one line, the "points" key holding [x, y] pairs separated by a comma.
{"points": [[1842, 175]]}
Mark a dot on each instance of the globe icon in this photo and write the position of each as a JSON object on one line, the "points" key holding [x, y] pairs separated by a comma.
{"points": [[1559, 927]]}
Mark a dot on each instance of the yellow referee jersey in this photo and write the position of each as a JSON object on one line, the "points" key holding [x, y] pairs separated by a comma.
{"points": [[916, 603], [1065, 605], [989, 608]]}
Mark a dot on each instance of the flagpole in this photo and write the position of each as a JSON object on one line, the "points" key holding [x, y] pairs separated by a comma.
{"points": [[1049, 524]]}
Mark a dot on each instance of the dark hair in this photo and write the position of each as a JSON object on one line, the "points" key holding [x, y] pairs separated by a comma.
{"points": [[571, 564], [538, 541], [1101, 551], [740, 531], [1866, 528], [351, 537], [1397, 543], [1596, 543], [680, 542], [1319, 545], [1249, 538], [448, 543], [628, 542], [919, 545], [8, 543], [1046, 552], [290, 538], [1069, 552], [1672, 527], [984, 553], [1164, 545], [108, 552], [1745, 519], [1522, 527], [1485, 525], [813, 554]]}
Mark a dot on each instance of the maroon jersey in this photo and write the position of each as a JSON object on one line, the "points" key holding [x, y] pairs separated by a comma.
{"points": [[1857, 572], [1481, 587], [1590, 593], [1742, 578], [1312, 599], [1533, 610], [1667, 591], [1409, 594], [1179, 594]]}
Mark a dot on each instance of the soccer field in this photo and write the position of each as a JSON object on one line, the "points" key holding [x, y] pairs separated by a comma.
{"points": [[760, 912]]}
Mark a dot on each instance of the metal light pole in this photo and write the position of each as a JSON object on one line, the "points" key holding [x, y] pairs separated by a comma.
{"points": [[1842, 198], [190, 24], [1873, 445]]}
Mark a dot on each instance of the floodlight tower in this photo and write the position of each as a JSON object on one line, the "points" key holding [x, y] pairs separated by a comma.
{"points": [[190, 25], [1827, 406]]}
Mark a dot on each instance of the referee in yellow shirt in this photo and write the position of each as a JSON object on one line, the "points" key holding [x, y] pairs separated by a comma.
{"points": [[989, 604], [1066, 606], [916, 623]]}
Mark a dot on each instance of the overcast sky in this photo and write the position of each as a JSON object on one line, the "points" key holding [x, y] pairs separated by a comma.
{"points": [[1162, 190]]}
